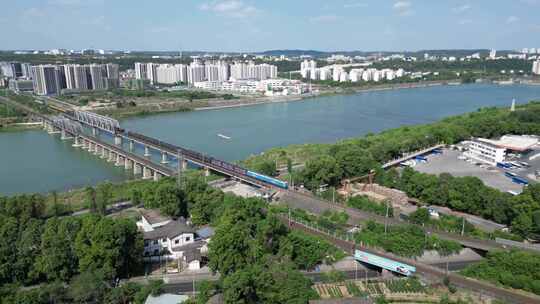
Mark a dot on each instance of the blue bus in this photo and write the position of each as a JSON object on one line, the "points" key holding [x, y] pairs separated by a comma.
{"points": [[504, 165], [420, 158], [510, 174], [520, 180]]}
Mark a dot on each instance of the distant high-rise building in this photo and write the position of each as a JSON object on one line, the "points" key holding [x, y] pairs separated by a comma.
{"points": [[45, 80], [98, 75], [140, 70], [536, 67], [69, 72], [82, 74], [195, 72]]}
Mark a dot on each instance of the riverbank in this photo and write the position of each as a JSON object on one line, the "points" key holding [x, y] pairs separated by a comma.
{"points": [[23, 126], [147, 108]]}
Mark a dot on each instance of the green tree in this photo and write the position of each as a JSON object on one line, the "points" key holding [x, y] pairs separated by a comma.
{"points": [[420, 216], [104, 196], [91, 197], [88, 287], [58, 260], [320, 171]]}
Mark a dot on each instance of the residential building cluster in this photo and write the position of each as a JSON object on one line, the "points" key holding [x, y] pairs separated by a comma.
{"points": [[270, 87], [309, 70], [197, 71], [52, 79]]}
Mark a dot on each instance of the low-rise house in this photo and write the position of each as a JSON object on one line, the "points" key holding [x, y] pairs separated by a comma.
{"points": [[169, 239]]}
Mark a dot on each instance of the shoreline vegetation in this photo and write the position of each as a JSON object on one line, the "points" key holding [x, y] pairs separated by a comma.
{"points": [[329, 164]]}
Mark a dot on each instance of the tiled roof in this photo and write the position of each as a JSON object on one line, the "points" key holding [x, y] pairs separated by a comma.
{"points": [[153, 216], [170, 230]]}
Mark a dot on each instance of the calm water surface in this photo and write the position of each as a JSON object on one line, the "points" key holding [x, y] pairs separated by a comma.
{"points": [[34, 161]]}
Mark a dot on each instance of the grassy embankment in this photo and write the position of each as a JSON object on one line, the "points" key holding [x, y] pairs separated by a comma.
{"points": [[123, 103]]}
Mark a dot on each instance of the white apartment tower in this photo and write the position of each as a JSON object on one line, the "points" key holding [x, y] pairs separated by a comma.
{"points": [[46, 80], [536, 67]]}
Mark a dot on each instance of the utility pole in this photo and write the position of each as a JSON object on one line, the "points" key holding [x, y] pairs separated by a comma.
{"points": [[180, 177], [386, 218]]}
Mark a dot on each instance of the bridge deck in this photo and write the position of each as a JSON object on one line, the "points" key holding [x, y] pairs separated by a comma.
{"points": [[409, 156]]}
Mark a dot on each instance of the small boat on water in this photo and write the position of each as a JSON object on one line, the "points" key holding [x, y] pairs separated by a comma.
{"points": [[223, 136]]}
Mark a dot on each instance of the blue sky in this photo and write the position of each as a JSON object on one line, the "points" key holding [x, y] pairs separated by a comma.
{"points": [[250, 25]]}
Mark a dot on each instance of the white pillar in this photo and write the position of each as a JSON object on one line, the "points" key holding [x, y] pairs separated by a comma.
{"points": [[96, 150], [146, 151], [164, 158], [128, 164], [131, 145], [95, 131], [112, 156], [117, 140], [184, 164], [156, 176], [206, 171], [147, 173], [119, 159], [77, 142], [137, 168]]}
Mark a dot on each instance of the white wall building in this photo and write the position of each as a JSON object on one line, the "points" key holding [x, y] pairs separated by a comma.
{"points": [[482, 150], [536, 67], [169, 239]]}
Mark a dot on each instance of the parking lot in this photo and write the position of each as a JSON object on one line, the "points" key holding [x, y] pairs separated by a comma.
{"points": [[448, 162]]}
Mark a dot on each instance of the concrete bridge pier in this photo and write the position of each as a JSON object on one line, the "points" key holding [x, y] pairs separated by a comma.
{"points": [[147, 173], [77, 142], [128, 164], [146, 151], [119, 160], [98, 149], [91, 147], [164, 158], [118, 140], [157, 176], [112, 156], [206, 171], [51, 130], [95, 131], [137, 168], [104, 153], [131, 145], [64, 135]]}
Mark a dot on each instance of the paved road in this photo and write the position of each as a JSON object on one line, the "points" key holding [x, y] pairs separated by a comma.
{"points": [[315, 205]]}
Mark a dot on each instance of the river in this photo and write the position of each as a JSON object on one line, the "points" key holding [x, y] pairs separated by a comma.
{"points": [[33, 161]]}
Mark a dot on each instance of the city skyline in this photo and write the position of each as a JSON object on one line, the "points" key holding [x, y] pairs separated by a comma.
{"points": [[251, 26]]}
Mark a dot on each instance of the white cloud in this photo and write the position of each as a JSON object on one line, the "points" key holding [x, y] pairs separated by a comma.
{"points": [[400, 5], [323, 18], [464, 21], [462, 8], [512, 19], [355, 4], [230, 8], [404, 8]]}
